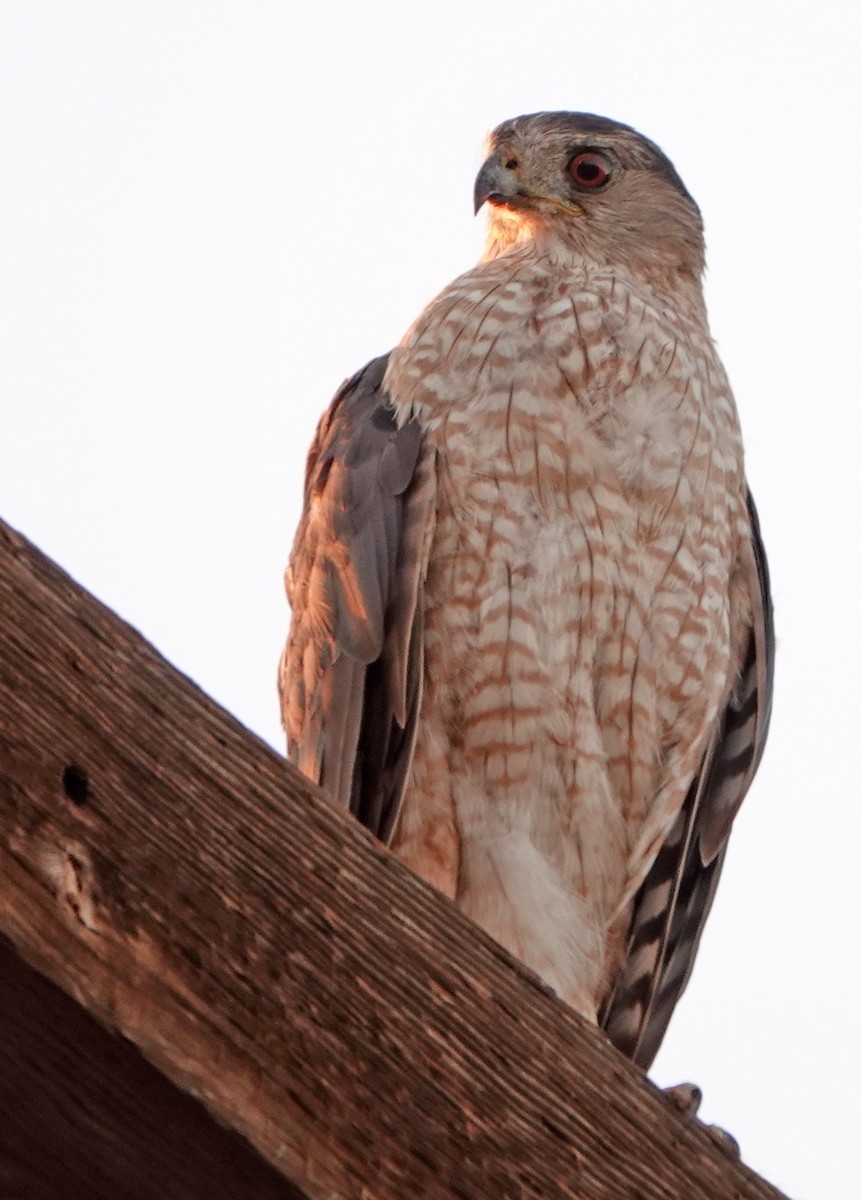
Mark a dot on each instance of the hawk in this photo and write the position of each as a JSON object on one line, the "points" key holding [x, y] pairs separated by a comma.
{"points": [[532, 643]]}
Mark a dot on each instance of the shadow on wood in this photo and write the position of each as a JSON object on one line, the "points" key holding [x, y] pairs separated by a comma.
{"points": [[85, 1115], [189, 889]]}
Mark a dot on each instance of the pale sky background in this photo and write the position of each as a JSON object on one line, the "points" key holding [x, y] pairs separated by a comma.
{"points": [[212, 212]]}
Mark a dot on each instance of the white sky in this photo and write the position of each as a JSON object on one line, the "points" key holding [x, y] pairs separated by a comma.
{"points": [[211, 212]]}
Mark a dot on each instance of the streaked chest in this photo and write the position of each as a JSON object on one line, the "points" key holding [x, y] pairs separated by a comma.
{"points": [[572, 395]]}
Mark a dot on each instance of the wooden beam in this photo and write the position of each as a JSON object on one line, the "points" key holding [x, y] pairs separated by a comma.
{"points": [[193, 892]]}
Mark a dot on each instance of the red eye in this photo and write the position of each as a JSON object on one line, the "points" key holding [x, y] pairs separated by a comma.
{"points": [[589, 170]]}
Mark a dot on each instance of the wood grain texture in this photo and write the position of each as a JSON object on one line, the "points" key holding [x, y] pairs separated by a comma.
{"points": [[85, 1115], [193, 892]]}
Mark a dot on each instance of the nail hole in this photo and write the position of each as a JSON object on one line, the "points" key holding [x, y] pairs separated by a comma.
{"points": [[75, 784]]}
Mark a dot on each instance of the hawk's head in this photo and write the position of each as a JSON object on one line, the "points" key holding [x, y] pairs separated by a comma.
{"points": [[602, 187]]}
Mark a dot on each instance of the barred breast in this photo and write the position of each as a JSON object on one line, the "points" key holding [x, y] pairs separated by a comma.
{"points": [[578, 630]]}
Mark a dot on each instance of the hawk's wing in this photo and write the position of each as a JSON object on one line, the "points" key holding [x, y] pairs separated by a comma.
{"points": [[351, 672], [672, 905]]}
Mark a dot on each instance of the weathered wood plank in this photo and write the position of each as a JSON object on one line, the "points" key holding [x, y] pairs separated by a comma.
{"points": [[83, 1114], [192, 891]]}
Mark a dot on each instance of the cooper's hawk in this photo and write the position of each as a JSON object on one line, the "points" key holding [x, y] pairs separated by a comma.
{"points": [[532, 642]]}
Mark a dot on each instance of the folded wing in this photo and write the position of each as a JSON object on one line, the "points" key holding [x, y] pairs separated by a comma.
{"points": [[351, 673], [672, 905]]}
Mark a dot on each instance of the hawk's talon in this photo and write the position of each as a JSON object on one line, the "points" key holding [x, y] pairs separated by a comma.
{"points": [[686, 1097], [725, 1140]]}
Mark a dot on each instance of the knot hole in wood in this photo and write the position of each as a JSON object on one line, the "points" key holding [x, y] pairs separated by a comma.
{"points": [[76, 785]]}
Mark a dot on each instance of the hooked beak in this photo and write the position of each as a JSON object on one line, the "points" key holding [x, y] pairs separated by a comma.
{"points": [[494, 183], [499, 185]]}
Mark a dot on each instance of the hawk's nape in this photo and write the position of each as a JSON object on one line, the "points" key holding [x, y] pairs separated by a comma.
{"points": [[532, 644]]}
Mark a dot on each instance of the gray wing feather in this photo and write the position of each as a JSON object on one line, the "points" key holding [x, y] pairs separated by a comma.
{"points": [[674, 901], [351, 672]]}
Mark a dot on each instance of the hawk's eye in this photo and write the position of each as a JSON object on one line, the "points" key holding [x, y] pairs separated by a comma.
{"points": [[589, 169]]}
